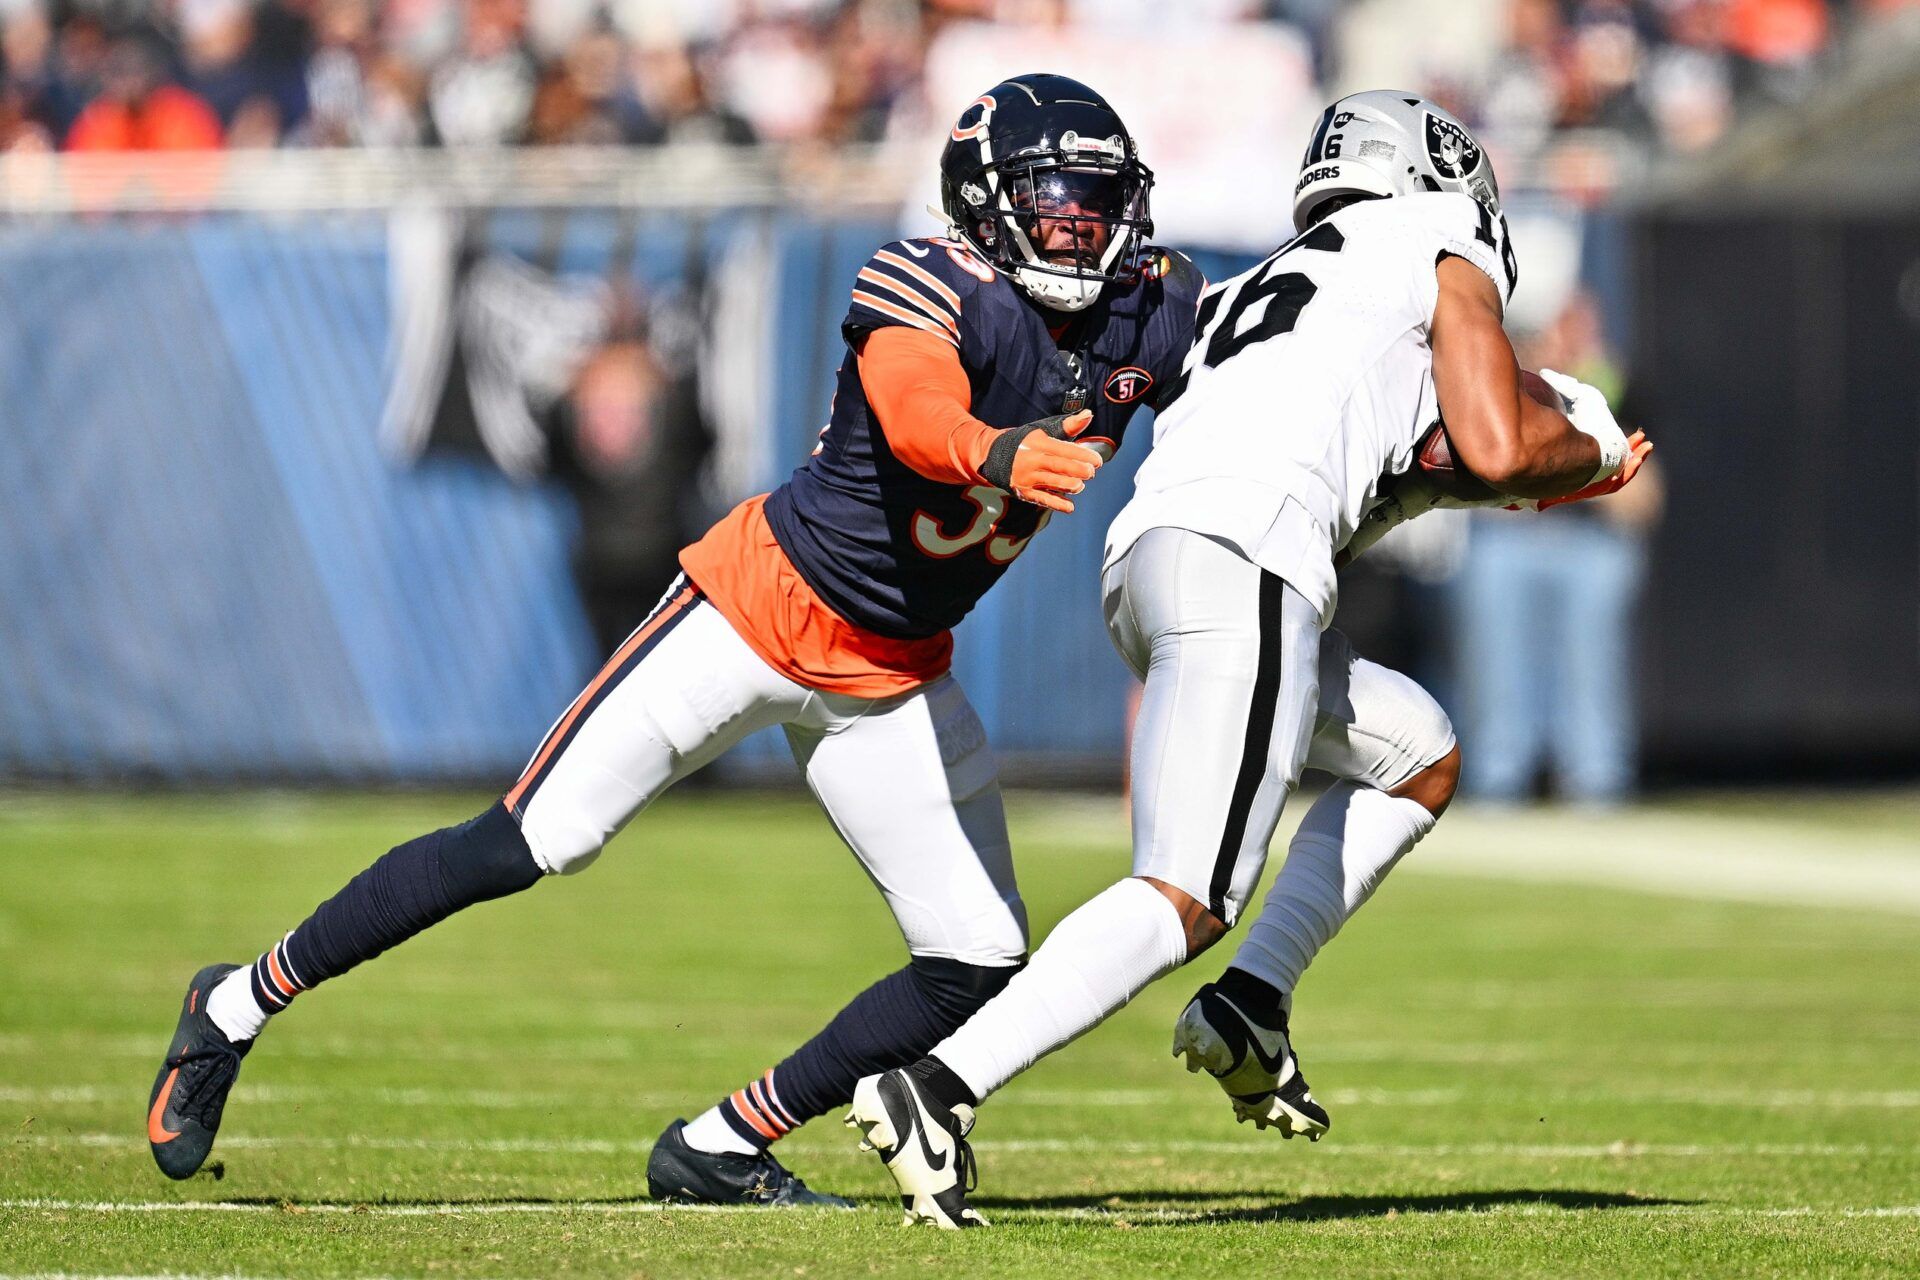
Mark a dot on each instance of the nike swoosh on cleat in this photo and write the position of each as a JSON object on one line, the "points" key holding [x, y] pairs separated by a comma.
{"points": [[926, 1149], [1256, 1040], [157, 1131]]}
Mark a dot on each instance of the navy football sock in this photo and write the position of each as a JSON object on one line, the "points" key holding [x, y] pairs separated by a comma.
{"points": [[890, 1024], [410, 888]]}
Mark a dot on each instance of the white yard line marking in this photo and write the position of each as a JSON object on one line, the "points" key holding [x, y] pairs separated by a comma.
{"points": [[613, 1048], [1520, 1151], [446, 1209], [1680, 855], [538, 1100], [165, 1275], [1657, 850], [1251, 1147], [98, 1045]]}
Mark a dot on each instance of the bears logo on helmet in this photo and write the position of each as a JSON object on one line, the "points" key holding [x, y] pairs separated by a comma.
{"points": [[967, 132]]}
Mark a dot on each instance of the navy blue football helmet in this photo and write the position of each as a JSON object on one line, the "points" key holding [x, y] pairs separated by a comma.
{"points": [[1045, 148]]}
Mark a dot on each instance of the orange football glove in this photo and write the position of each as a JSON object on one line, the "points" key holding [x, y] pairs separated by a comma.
{"points": [[1039, 463]]}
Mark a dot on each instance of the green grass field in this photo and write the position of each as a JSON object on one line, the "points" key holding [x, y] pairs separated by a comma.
{"points": [[1526, 1078]]}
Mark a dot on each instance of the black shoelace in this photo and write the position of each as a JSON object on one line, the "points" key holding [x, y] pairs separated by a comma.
{"points": [[206, 1093], [963, 1165]]}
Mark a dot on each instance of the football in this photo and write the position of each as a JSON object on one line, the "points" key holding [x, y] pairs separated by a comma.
{"points": [[1435, 457], [1438, 467]]}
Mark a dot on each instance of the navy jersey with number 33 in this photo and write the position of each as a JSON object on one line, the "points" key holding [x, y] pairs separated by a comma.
{"points": [[907, 556]]}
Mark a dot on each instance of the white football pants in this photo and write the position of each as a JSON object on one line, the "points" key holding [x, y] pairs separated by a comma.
{"points": [[1243, 691], [908, 781]]}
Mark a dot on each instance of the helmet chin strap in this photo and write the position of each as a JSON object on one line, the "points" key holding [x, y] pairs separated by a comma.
{"points": [[1057, 292]]}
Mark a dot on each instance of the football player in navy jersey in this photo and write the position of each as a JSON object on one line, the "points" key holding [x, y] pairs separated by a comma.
{"points": [[988, 374]]}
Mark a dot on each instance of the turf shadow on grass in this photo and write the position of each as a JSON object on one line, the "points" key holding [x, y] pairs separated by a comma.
{"points": [[1193, 1205], [337, 1204]]}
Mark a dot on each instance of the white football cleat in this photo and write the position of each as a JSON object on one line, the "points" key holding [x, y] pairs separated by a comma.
{"points": [[1253, 1062], [923, 1145]]}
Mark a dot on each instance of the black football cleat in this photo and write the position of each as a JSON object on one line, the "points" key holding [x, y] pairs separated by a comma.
{"points": [[191, 1090], [681, 1174], [1252, 1058]]}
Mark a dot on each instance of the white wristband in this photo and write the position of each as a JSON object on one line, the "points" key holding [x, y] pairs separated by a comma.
{"points": [[1612, 442], [1588, 412]]}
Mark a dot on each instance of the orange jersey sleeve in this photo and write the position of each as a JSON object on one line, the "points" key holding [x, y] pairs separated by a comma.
{"points": [[922, 401]]}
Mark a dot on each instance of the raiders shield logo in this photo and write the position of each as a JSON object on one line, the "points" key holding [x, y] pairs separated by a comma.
{"points": [[1124, 386], [1453, 153]]}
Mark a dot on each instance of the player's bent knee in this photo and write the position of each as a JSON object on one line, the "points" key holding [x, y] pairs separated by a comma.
{"points": [[559, 842], [996, 941], [1426, 755], [563, 858], [1433, 787], [957, 988], [1197, 921], [487, 857]]}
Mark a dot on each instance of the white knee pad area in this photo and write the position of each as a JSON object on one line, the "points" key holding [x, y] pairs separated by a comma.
{"points": [[1376, 726]]}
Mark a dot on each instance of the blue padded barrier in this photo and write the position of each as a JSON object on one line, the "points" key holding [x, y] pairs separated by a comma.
{"points": [[212, 573]]}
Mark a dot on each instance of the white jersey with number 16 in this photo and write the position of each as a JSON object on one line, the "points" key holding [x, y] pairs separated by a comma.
{"points": [[1310, 380]]}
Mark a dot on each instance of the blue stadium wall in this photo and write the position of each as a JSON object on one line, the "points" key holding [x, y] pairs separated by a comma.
{"points": [[212, 573]]}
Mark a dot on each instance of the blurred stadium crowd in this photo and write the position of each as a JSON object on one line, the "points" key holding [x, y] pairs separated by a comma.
{"points": [[1565, 92], [658, 362]]}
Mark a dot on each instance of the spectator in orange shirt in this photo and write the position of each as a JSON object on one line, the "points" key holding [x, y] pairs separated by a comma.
{"points": [[137, 109]]}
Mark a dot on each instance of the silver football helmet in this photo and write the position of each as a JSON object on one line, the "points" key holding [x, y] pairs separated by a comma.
{"points": [[1388, 143]]}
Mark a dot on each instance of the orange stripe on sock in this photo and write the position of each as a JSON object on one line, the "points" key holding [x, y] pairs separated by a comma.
{"points": [[279, 979], [744, 1107], [759, 1096], [625, 651], [265, 989], [286, 965], [779, 1113]]}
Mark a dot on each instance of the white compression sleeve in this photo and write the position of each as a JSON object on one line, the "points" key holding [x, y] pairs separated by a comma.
{"points": [[1346, 844], [1094, 961]]}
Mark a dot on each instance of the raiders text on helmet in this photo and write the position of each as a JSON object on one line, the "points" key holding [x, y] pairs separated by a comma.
{"points": [[1045, 148], [1387, 143]]}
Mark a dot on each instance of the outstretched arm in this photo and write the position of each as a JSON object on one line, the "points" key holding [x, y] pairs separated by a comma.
{"points": [[921, 397]]}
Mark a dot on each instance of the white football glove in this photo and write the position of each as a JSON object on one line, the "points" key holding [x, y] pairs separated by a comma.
{"points": [[1588, 412]]}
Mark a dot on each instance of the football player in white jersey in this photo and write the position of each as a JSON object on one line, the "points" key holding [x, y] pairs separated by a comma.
{"points": [[1315, 387]]}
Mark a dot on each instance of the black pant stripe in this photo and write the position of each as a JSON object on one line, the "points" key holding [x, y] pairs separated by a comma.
{"points": [[1259, 741]]}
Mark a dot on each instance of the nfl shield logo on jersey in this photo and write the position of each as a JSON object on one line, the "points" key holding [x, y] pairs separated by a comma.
{"points": [[1453, 153], [1124, 386]]}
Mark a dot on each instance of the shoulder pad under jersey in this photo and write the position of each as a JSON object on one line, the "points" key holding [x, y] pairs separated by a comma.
{"points": [[1447, 222], [1183, 279], [925, 284]]}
